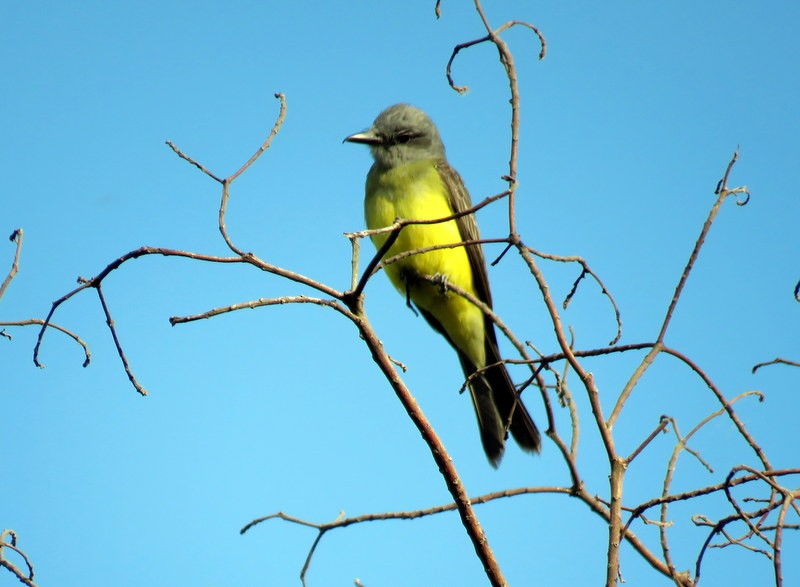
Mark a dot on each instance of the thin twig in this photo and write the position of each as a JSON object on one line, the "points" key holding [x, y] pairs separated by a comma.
{"points": [[343, 522], [86, 283], [38, 321], [261, 302], [776, 361], [186, 157], [16, 237], [267, 142], [507, 60], [725, 404], [723, 192], [664, 420], [585, 270], [110, 322]]}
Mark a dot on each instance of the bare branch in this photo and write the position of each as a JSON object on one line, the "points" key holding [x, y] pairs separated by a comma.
{"points": [[725, 404], [38, 321], [260, 303], [663, 421], [267, 142], [440, 455], [16, 237], [8, 540], [110, 322], [186, 157], [585, 270], [86, 283], [342, 522], [776, 361], [723, 192]]}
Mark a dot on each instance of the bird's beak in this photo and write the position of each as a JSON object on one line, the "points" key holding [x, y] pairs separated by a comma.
{"points": [[368, 137]]}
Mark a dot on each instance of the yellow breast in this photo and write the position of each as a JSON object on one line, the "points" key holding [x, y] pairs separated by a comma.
{"points": [[416, 191]]}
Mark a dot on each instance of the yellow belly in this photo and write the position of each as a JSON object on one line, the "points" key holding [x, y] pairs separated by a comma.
{"points": [[415, 191]]}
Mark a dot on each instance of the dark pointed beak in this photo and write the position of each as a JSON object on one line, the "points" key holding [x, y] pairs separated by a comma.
{"points": [[368, 137]]}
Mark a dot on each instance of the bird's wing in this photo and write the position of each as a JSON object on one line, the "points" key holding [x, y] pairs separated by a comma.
{"points": [[468, 228]]}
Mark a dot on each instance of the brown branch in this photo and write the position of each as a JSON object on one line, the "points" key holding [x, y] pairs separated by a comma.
{"points": [[86, 283], [507, 60], [616, 463], [231, 178], [776, 361], [725, 404], [38, 321], [507, 332], [443, 460], [586, 378], [585, 270], [604, 511], [671, 467], [16, 237], [261, 302], [110, 322], [723, 192], [469, 243], [8, 539], [186, 157], [746, 517], [267, 142], [663, 421], [778, 548], [694, 493], [343, 522], [145, 251]]}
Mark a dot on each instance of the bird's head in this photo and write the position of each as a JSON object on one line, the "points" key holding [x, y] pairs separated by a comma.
{"points": [[401, 134]]}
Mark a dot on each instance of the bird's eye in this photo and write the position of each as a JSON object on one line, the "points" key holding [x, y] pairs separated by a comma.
{"points": [[403, 137]]}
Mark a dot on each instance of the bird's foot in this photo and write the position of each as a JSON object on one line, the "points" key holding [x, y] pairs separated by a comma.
{"points": [[441, 280]]}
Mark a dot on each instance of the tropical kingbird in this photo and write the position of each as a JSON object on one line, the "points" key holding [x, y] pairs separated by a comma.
{"points": [[411, 179]]}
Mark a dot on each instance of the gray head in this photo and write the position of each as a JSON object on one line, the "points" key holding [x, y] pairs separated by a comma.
{"points": [[401, 134]]}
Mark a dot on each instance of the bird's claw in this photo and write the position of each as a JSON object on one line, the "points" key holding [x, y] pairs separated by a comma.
{"points": [[441, 280]]}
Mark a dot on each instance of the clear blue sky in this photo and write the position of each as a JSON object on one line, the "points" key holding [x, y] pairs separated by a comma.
{"points": [[626, 127]]}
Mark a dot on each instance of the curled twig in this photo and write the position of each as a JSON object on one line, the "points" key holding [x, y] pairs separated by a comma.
{"points": [[585, 270], [8, 539], [87, 355]]}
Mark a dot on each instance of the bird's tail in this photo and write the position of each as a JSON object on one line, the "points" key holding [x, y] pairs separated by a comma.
{"points": [[499, 408]]}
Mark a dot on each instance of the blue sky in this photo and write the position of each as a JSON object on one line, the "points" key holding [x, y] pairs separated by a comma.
{"points": [[626, 127]]}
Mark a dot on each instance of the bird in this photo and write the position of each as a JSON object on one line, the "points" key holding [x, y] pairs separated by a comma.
{"points": [[411, 179]]}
